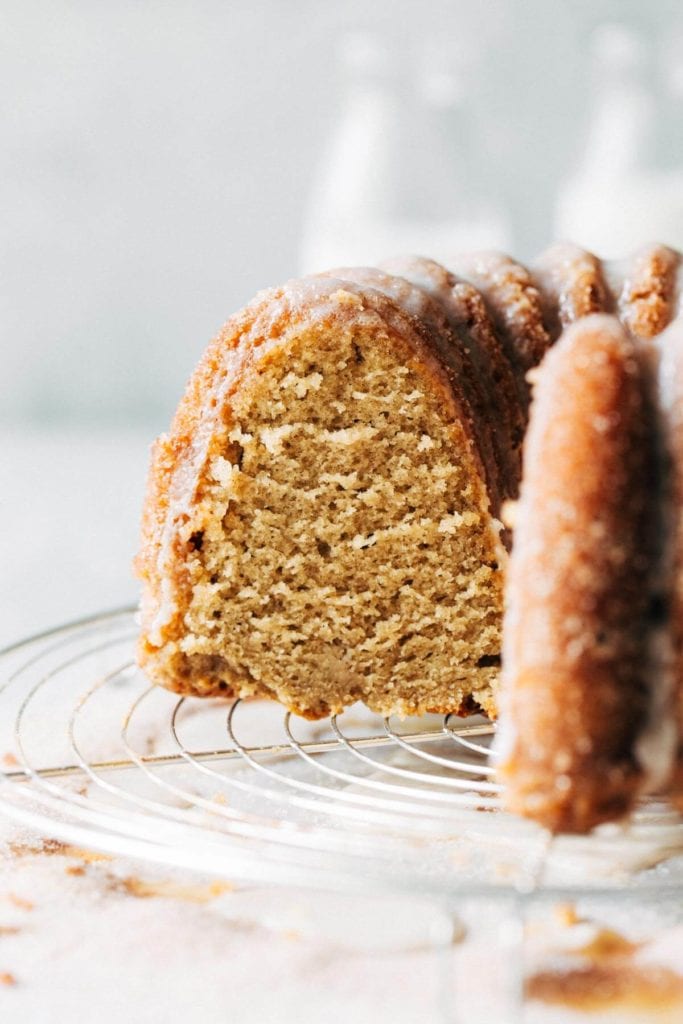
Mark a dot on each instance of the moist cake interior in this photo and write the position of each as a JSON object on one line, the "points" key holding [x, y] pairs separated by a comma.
{"points": [[345, 538]]}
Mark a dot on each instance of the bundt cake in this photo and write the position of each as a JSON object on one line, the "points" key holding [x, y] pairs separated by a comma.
{"points": [[323, 521], [582, 593]]}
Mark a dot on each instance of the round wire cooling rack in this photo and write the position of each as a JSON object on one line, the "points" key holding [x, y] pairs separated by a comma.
{"points": [[92, 754]]}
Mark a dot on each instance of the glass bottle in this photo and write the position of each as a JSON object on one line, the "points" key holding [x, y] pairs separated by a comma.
{"points": [[399, 171], [619, 196]]}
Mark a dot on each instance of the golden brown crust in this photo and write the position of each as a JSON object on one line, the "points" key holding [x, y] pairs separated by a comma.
{"points": [[575, 677], [171, 484], [204, 682]]}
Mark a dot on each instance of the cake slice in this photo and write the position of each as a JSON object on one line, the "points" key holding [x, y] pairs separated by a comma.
{"points": [[319, 525]]}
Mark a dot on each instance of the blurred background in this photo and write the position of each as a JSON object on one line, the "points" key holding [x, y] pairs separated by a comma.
{"points": [[161, 161]]}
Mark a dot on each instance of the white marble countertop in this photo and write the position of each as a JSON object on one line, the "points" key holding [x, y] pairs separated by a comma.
{"points": [[82, 935]]}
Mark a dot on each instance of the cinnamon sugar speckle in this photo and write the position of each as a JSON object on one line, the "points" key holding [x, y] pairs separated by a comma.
{"points": [[19, 901]]}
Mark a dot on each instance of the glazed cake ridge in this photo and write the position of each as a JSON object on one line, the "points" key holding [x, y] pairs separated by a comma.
{"points": [[513, 296], [578, 666]]}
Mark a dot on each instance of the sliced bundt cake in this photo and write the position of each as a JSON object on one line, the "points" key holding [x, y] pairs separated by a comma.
{"points": [[320, 525]]}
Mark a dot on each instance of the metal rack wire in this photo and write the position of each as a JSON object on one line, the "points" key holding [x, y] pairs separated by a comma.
{"points": [[92, 754]]}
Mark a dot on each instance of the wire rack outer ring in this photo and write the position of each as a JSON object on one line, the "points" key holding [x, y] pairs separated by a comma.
{"points": [[93, 755]]}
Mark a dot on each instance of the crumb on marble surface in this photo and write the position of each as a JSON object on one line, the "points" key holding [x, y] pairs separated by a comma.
{"points": [[170, 889], [617, 986]]}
